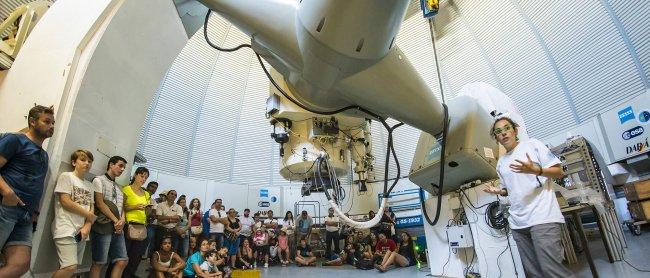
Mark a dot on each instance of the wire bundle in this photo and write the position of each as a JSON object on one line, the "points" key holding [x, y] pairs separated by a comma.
{"points": [[494, 217]]}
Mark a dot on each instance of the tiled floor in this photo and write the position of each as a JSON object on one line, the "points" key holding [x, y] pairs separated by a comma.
{"points": [[638, 254]]}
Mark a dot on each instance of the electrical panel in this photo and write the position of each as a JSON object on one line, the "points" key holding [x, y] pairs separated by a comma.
{"points": [[460, 236]]}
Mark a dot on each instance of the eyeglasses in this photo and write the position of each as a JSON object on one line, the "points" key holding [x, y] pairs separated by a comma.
{"points": [[501, 131]]}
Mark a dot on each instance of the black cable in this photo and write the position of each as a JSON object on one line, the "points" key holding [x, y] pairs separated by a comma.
{"points": [[268, 75], [326, 113], [466, 270], [475, 254], [303, 173], [425, 269], [391, 179], [320, 177], [391, 147], [205, 34], [512, 256], [470, 201], [499, 257], [442, 173], [494, 218], [444, 139], [448, 255]]}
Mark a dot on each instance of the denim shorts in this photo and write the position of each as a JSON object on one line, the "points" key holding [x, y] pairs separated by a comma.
{"points": [[15, 226], [108, 246]]}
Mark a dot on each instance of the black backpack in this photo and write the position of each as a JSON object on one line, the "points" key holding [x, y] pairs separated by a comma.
{"points": [[365, 264]]}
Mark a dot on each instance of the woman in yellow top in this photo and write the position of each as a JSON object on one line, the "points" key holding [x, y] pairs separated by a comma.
{"points": [[136, 200]]}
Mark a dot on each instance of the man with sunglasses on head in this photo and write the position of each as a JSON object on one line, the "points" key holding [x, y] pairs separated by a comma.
{"points": [[535, 215], [168, 214]]}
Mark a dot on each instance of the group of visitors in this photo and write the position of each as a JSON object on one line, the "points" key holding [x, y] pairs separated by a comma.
{"points": [[126, 224]]}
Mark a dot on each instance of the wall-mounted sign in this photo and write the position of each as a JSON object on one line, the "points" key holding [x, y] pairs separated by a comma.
{"points": [[407, 222], [625, 127], [631, 133]]}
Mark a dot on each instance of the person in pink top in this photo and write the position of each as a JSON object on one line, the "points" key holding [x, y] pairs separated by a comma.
{"points": [[196, 227], [261, 247], [283, 242]]}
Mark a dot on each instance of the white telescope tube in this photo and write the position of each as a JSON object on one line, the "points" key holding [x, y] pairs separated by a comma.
{"points": [[363, 225]]}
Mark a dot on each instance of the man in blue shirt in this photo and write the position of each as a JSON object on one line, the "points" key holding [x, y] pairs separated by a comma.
{"points": [[23, 166]]}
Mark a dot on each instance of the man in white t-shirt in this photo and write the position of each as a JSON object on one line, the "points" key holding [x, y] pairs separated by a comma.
{"points": [[73, 213], [109, 243], [217, 217], [271, 224], [246, 222], [168, 214], [535, 215], [331, 233]]}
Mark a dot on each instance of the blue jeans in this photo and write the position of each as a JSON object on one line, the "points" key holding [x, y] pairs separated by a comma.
{"points": [[151, 236], [218, 237], [15, 226], [183, 245], [105, 247]]}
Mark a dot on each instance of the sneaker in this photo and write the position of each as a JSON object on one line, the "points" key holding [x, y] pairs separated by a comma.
{"points": [[266, 265]]}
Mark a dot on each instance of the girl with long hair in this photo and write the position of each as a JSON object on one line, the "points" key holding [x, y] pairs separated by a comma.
{"points": [[289, 226], [196, 227]]}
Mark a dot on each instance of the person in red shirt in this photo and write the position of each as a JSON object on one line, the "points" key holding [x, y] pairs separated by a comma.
{"points": [[384, 245]]}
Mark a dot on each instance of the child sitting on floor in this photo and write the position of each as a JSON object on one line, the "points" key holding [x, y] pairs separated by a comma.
{"points": [[304, 256], [222, 262], [209, 266], [273, 250], [245, 255]]}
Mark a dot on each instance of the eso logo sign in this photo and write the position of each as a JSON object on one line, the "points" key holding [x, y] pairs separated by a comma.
{"points": [[631, 133]]}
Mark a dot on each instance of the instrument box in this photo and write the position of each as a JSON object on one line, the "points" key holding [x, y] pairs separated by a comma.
{"points": [[638, 190], [639, 210]]}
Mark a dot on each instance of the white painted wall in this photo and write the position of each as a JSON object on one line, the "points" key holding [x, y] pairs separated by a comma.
{"points": [[99, 63], [30, 79]]}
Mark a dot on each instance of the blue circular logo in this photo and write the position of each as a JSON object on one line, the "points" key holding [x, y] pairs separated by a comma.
{"points": [[644, 116], [274, 199]]}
